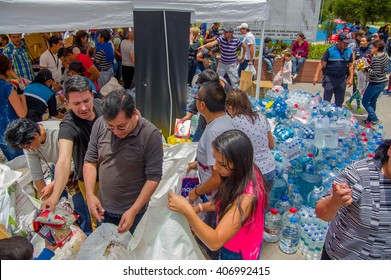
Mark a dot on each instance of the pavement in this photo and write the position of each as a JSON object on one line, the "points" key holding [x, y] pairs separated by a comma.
{"points": [[383, 105]]}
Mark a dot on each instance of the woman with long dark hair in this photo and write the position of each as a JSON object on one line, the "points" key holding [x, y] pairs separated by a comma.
{"points": [[12, 106], [240, 201]]}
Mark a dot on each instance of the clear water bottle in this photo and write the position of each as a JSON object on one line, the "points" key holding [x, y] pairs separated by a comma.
{"points": [[279, 188], [311, 249], [318, 249], [290, 236], [296, 200], [272, 226], [282, 205], [288, 214], [314, 196]]}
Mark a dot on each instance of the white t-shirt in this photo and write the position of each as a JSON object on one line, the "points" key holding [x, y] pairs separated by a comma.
{"points": [[257, 133], [127, 47], [249, 39], [53, 63], [287, 75], [204, 149]]}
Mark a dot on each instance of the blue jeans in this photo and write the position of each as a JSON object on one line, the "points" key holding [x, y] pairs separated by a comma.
{"points": [[296, 64], [285, 86], [116, 218], [369, 100], [9, 153], [269, 62], [226, 254], [269, 179], [81, 209]]}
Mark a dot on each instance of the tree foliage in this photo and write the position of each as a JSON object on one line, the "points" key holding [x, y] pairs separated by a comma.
{"points": [[362, 10]]}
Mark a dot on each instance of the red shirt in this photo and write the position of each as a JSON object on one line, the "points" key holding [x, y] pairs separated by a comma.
{"points": [[87, 63], [300, 50]]}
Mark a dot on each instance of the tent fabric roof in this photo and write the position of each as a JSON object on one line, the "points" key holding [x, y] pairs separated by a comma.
{"points": [[28, 16]]}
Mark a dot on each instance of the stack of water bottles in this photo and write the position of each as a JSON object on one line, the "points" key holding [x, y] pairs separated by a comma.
{"points": [[314, 142]]}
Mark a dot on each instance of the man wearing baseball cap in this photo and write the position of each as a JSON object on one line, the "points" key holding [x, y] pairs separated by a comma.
{"points": [[336, 63], [229, 57], [40, 97], [249, 41]]}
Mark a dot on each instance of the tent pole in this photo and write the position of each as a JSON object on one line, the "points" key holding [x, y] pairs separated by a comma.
{"points": [[260, 56]]}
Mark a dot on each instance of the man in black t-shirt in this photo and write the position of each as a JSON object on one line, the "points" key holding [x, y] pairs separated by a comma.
{"points": [[74, 135]]}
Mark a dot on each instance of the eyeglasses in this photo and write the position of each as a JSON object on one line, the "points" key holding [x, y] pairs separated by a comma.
{"points": [[197, 98], [375, 36], [118, 127]]}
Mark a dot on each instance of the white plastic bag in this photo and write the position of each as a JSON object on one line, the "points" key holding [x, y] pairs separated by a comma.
{"points": [[105, 243], [110, 86], [277, 81], [16, 207], [251, 68]]}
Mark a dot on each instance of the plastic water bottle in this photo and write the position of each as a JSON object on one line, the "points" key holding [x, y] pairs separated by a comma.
{"points": [[296, 200], [272, 226], [290, 236], [279, 189], [288, 214], [314, 196], [282, 205], [306, 182], [311, 249], [319, 248]]}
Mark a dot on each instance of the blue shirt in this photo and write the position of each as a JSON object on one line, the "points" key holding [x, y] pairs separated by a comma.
{"points": [[337, 61], [7, 112], [39, 98]]}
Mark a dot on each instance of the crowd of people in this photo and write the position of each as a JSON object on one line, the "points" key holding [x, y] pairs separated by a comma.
{"points": [[99, 139]]}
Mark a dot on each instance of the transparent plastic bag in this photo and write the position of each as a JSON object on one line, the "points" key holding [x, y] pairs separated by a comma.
{"points": [[251, 68], [277, 81]]}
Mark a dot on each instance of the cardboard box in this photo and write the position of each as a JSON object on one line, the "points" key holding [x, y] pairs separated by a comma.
{"points": [[249, 86], [35, 44], [3, 232], [68, 42]]}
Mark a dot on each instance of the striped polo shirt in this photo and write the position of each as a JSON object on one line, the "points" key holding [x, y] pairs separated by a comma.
{"points": [[362, 230], [103, 64], [228, 49], [21, 61]]}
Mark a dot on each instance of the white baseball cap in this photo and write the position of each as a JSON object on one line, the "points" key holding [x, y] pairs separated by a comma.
{"points": [[243, 25]]}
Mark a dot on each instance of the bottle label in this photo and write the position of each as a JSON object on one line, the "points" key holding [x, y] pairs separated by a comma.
{"points": [[272, 231]]}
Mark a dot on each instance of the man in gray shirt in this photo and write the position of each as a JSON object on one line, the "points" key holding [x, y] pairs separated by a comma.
{"points": [[40, 143], [126, 151]]}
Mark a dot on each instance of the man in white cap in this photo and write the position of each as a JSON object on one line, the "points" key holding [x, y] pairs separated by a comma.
{"points": [[249, 41], [229, 57]]}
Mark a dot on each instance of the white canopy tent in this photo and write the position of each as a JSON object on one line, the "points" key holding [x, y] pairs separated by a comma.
{"points": [[29, 16]]}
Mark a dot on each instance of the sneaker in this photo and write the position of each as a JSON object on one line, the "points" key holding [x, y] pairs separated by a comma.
{"points": [[375, 122], [294, 76], [360, 110], [270, 71], [349, 104], [387, 92]]}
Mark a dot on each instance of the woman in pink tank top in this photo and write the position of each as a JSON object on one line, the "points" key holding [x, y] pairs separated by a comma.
{"points": [[240, 201]]}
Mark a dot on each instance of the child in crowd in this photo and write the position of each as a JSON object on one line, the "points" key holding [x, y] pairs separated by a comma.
{"points": [[361, 82], [240, 201], [287, 70], [20, 248]]}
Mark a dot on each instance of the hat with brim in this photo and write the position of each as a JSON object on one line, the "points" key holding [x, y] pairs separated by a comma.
{"points": [[228, 29], [343, 36]]}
